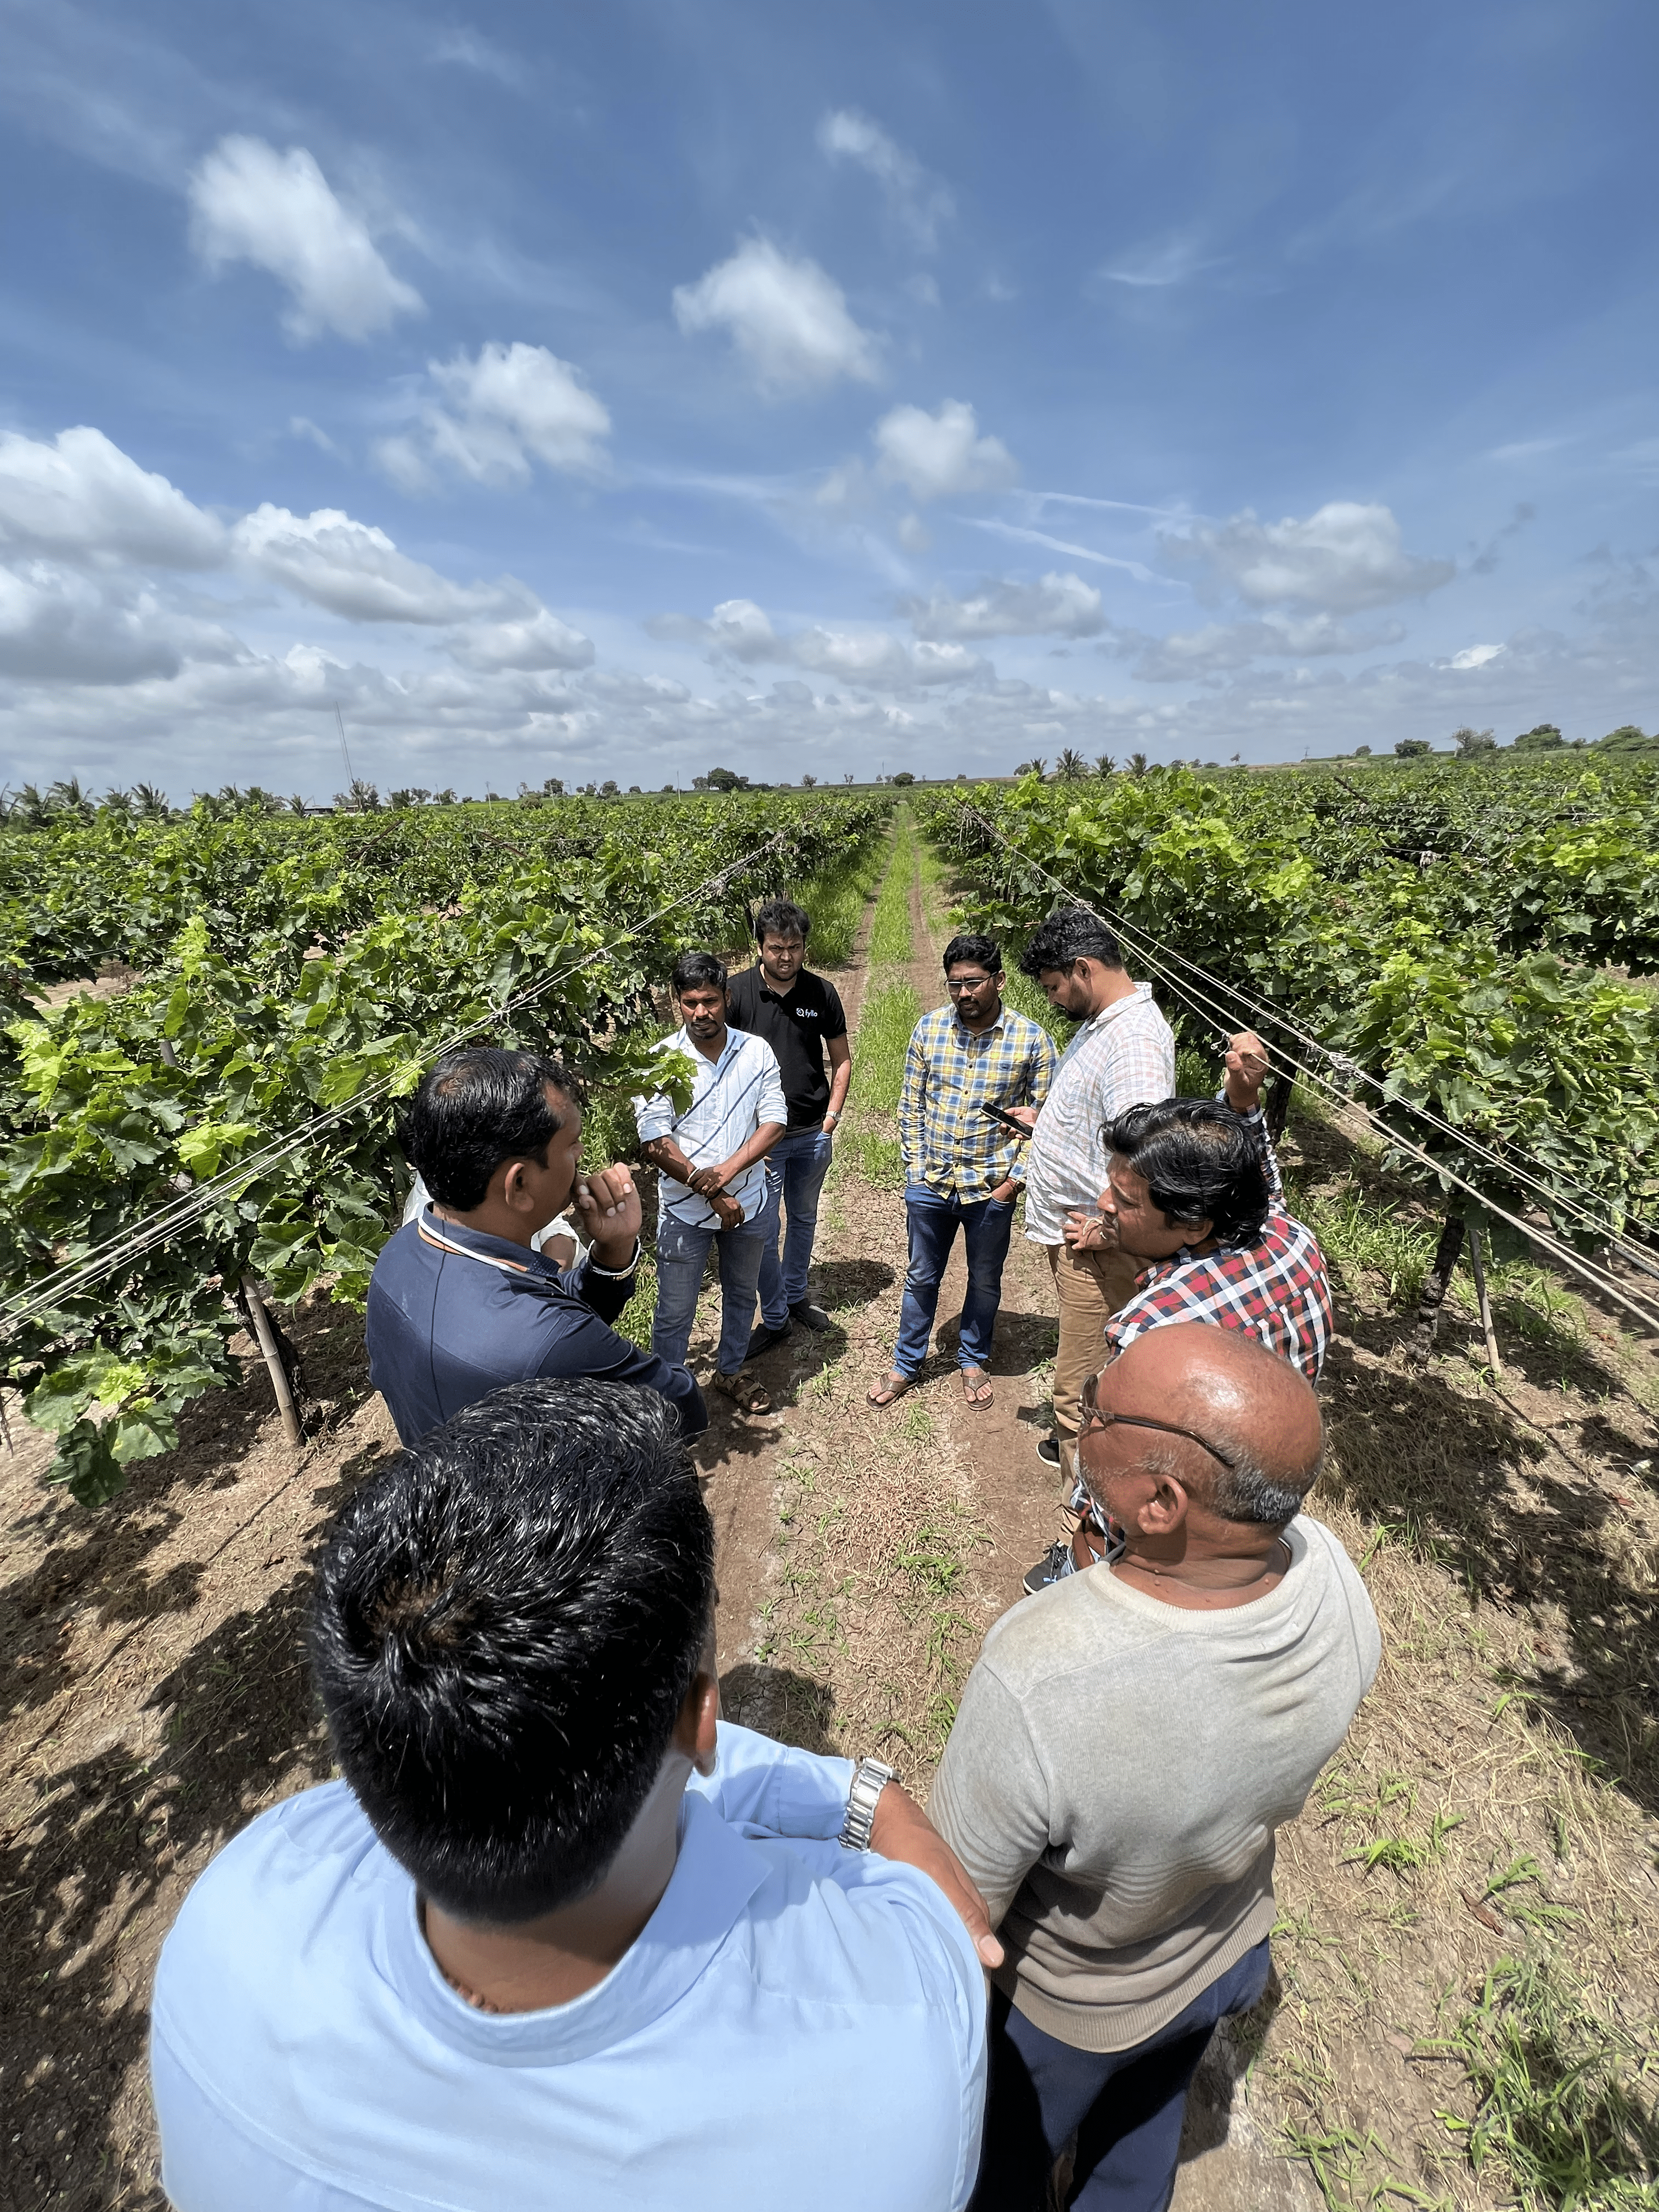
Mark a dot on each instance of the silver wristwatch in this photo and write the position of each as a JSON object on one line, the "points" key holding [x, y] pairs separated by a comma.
{"points": [[871, 1778]]}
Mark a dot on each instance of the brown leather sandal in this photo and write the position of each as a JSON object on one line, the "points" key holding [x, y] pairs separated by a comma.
{"points": [[976, 1388], [889, 1392], [745, 1394]]}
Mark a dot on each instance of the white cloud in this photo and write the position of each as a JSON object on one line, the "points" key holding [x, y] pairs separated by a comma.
{"points": [[1220, 647], [1344, 557], [465, 48], [301, 426], [58, 626], [1474, 656], [1023, 535], [353, 569], [1154, 268], [879, 661], [233, 711], [742, 631], [738, 629], [941, 456], [506, 407], [535, 641], [1526, 449], [917, 202], [249, 203], [82, 496], [1060, 605], [788, 319]]}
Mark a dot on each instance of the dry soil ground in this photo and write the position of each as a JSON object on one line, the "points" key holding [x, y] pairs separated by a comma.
{"points": [[1498, 1794]]}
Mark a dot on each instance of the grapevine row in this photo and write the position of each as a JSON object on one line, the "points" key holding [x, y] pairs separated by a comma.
{"points": [[324, 992]]}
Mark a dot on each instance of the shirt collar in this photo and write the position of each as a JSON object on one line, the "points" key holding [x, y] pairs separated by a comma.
{"points": [[1001, 1021], [681, 1041], [1142, 992], [778, 997], [516, 1258], [714, 1876]]}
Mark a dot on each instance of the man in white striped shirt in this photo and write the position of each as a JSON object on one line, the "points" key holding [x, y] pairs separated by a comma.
{"points": [[1122, 1055], [713, 1190]]}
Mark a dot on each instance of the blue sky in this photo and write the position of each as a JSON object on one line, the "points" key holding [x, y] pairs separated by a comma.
{"points": [[620, 390]]}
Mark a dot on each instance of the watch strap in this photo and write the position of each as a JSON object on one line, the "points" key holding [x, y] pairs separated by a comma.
{"points": [[868, 1782]]}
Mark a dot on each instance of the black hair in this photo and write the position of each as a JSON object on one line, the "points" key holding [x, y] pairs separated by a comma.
{"points": [[1201, 1162], [475, 1108], [693, 970], [782, 918], [1070, 933], [984, 949], [507, 1620]]}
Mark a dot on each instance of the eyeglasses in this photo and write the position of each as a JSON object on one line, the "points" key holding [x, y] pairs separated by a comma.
{"points": [[953, 984], [1096, 1416]]}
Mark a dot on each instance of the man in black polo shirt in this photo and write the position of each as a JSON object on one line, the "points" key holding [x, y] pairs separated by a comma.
{"points": [[460, 1302], [800, 1017]]}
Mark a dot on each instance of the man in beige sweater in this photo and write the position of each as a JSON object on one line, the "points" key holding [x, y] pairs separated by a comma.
{"points": [[1128, 1744]]}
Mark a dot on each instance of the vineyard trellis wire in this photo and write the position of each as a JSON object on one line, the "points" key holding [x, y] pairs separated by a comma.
{"points": [[99, 1265], [1212, 996], [115, 1278]]}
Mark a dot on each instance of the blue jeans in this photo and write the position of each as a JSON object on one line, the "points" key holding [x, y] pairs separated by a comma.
{"points": [[1126, 2107], [682, 1256], [795, 1169], [986, 1225]]}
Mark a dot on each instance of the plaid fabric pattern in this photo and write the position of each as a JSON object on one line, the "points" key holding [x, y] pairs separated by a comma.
{"points": [[1124, 1057], [950, 1072], [1276, 1289]]}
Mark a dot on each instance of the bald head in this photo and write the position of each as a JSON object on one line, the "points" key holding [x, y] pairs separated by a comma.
{"points": [[1227, 1387]]}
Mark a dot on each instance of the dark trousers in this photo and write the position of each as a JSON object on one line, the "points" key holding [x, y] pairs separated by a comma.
{"points": [[1126, 2107], [986, 1225]]}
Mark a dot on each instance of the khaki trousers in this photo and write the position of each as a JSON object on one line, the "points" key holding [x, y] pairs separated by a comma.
{"points": [[1090, 1287]]}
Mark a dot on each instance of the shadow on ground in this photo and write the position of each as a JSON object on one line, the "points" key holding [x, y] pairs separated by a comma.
{"points": [[777, 1703], [103, 1859], [1515, 1512]]}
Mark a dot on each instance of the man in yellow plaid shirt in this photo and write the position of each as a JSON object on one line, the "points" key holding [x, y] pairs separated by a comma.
{"points": [[961, 1164]]}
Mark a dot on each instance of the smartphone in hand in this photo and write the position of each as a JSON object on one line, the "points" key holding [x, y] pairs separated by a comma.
{"points": [[1006, 1119]]}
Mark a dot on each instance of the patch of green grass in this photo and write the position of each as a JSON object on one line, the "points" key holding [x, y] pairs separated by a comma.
{"points": [[835, 899], [1360, 1235], [889, 928], [641, 1311], [878, 1158], [1565, 2108], [891, 1011]]}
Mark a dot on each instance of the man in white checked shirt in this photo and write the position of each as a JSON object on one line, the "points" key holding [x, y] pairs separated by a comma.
{"points": [[1122, 1055], [713, 1190]]}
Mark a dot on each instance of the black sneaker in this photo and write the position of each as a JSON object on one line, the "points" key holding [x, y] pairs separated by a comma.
{"points": [[1052, 1567], [763, 1339], [810, 1316], [1049, 1450]]}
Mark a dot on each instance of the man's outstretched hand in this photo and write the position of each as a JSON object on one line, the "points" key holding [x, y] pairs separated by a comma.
{"points": [[901, 1830]]}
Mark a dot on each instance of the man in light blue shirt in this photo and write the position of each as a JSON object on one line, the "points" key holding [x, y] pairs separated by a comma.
{"points": [[561, 1938], [714, 1190]]}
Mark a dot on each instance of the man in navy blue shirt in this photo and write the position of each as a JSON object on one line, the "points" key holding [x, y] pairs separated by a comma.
{"points": [[460, 1302]]}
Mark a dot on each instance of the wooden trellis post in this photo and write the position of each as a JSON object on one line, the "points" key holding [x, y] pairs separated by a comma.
{"points": [[1477, 1260]]}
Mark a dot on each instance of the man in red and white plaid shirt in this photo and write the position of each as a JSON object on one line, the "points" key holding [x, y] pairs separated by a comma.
{"points": [[1194, 1193]]}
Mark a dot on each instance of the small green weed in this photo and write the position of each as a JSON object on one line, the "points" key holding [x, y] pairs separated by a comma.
{"points": [[1565, 2107]]}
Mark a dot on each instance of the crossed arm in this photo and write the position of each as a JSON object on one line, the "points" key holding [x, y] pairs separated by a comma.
{"points": [[710, 1182]]}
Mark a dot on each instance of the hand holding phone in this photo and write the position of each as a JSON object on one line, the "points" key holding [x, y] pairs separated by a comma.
{"points": [[1007, 1120]]}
